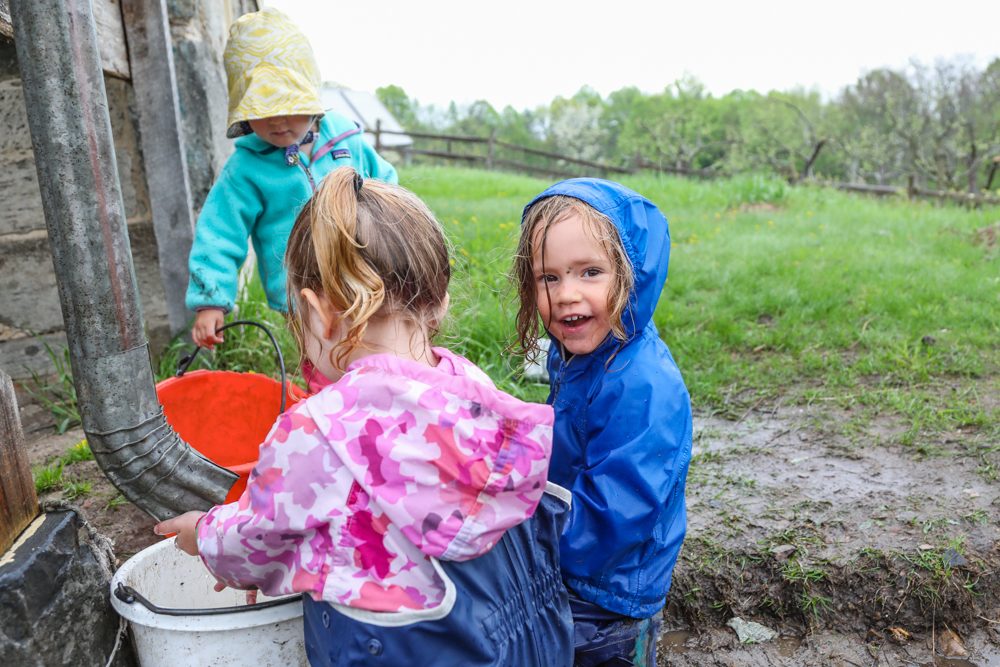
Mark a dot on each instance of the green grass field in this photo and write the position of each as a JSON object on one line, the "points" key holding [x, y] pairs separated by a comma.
{"points": [[888, 305]]}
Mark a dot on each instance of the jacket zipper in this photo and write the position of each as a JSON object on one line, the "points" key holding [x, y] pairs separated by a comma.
{"points": [[309, 175], [559, 378]]}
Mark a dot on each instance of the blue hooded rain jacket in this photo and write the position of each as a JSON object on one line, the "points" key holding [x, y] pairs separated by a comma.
{"points": [[622, 439]]}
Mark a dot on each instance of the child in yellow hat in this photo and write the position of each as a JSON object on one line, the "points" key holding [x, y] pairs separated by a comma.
{"points": [[285, 145]]}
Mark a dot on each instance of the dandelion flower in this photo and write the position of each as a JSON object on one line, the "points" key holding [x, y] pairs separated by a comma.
{"points": [[770, 223], [822, 226], [809, 212]]}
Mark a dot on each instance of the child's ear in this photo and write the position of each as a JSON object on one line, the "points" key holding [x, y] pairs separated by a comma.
{"points": [[323, 309], [442, 310]]}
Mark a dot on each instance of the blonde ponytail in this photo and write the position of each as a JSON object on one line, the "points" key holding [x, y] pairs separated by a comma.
{"points": [[370, 248]]}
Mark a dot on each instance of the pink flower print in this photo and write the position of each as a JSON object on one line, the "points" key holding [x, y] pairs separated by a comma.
{"points": [[391, 598], [297, 418], [262, 489], [303, 580], [378, 390], [370, 553], [368, 534]]}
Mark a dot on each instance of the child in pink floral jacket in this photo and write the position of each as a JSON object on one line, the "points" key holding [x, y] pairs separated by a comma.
{"points": [[359, 486], [411, 455]]}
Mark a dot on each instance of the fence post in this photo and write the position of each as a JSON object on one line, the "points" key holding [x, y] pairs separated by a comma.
{"points": [[637, 165], [489, 154], [911, 186], [378, 135]]}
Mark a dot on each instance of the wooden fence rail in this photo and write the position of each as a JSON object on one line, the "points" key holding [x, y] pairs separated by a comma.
{"points": [[492, 144], [912, 192], [490, 160]]}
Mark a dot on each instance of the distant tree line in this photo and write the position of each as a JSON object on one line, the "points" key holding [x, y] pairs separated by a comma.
{"points": [[939, 124]]}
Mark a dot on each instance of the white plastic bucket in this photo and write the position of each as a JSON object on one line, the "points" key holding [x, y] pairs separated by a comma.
{"points": [[268, 636]]}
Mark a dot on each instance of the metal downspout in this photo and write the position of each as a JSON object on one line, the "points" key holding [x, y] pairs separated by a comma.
{"points": [[67, 106]]}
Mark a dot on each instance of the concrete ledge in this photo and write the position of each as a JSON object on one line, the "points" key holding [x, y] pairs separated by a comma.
{"points": [[54, 602]]}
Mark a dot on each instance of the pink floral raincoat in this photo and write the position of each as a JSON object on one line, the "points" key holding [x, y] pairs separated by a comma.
{"points": [[361, 486]]}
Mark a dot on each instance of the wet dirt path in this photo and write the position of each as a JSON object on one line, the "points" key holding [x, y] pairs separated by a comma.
{"points": [[856, 549]]}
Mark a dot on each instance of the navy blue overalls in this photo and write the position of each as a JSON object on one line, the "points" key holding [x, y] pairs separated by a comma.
{"points": [[511, 610]]}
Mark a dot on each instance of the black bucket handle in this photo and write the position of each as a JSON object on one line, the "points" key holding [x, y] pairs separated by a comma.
{"points": [[128, 595], [186, 362]]}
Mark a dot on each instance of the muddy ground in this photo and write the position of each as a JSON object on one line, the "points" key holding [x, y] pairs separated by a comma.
{"points": [[856, 545]]}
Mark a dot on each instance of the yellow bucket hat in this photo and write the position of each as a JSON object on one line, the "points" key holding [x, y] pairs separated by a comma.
{"points": [[271, 71]]}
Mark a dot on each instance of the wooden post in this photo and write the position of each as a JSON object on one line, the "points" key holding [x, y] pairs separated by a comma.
{"points": [[18, 503], [638, 160], [911, 186], [489, 153], [155, 83], [378, 135]]}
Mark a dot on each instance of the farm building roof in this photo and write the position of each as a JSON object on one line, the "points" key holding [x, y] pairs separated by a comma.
{"points": [[365, 109]]}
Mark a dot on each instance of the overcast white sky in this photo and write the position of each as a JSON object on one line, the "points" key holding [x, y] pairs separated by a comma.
{"points": [[525, 52]]}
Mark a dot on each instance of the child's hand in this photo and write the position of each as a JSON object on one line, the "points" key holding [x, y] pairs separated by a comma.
{"points": [[251, 594], [205, 324], [186, 527]]}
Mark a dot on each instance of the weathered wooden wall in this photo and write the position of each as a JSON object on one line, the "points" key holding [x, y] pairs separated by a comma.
{"points": [[110, 34], [28, 298]]}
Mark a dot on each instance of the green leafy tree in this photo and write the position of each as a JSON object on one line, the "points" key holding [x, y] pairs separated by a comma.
{"points": [[399, 104]]}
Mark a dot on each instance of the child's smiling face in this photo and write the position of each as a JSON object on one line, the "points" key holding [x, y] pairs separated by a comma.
{"points": [[281, 131], [573, 289]]}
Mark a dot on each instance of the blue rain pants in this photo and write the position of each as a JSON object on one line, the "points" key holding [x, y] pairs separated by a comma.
{"points": [[511, 610], [605, 639]]}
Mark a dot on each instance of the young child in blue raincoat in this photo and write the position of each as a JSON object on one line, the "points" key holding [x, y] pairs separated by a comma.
{"points": [[590, 267], [285, 146]]}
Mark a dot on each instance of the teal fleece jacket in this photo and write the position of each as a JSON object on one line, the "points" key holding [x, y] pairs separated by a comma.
{"points": [[258, 196]]}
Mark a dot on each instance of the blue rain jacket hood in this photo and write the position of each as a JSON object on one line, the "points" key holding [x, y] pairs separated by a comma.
{"points": [[622, 439]]}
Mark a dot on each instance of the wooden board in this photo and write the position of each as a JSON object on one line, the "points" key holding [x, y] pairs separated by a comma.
{"points": [[110, 35], [18, 503], [162, 139]]}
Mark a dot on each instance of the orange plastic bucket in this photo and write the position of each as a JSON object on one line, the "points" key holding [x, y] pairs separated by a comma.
{"points": [[225, 416]]}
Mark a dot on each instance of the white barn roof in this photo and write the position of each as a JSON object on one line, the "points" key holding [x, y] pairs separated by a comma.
{"points": [[364, 109]]}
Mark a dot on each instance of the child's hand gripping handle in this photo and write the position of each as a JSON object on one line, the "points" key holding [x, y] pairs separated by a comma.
{"points": [[204, 332]]}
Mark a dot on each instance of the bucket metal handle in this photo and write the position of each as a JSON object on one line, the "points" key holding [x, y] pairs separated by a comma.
{"points": [[186, 362], [128, 595]]}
